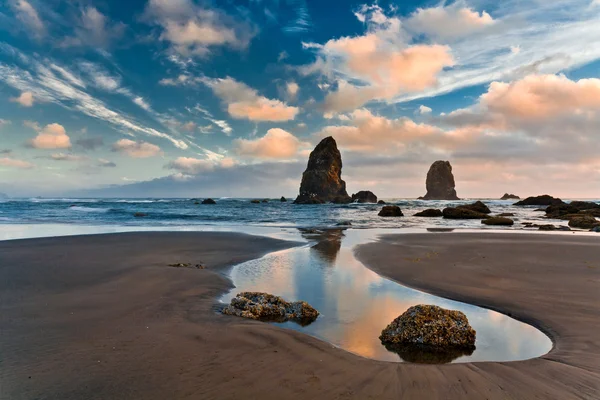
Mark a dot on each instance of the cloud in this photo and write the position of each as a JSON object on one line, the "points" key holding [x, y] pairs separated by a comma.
{"points": [[424, 110], [48, 85], [136, 149], [189, 126], [275, 144], [192, 30], [292, 89], [66, 157], [142, 103], [25, 99], [542, 96], [32, 125], [244, 102], [380, 64], [15, 163], [4, 122], [448, 22], [190, 165], [29, 17], [106, 163], [94, 29], [52, 136], [91, 143]]}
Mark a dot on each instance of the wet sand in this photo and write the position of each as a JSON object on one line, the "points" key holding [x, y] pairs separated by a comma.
{"points": [[103, 317]]}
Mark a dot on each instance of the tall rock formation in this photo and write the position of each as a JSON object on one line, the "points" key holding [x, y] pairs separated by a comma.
{"points": [[440, 182], [322, 181]]}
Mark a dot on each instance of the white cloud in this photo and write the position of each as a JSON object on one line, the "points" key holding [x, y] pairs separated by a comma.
{"points": [[106, 163], [25, 99], [142, 103], [275, 144], [66, 157], [15, 163], [448, 22], [93, 28], [244, 102], [380, 63], [424, 110], [52, 136], [29, 17], [190, 165], [136, 149], [47, 86], [192, 30]]}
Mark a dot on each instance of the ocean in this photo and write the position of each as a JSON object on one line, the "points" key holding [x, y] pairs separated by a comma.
{"points": [[240, 214]]}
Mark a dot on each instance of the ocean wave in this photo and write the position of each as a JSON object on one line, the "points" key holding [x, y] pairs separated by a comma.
{"points": [[89, 209]]}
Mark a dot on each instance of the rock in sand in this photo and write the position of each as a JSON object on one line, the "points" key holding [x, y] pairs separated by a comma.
{"points": [[430, 213], [267, 307], [498, 221], [584, 222]]}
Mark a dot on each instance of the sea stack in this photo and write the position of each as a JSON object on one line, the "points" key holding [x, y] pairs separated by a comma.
{"points": [[440, 182], [322, 181]]}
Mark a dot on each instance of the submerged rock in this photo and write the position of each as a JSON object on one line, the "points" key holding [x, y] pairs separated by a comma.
{"points": [[322, 180], [255, 201], [390, 211], [381, 202], [543, 200], [584, 222], [208, 201], [440, 182], [506, 215], [510, 197], [267, 307], [477, 206], [430, 213], [462, 213], [364, 196], [498, 221], [429, 327], [140, 215]]}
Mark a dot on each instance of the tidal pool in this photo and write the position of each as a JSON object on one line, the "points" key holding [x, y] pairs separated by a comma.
{"points": [[356, 303]]}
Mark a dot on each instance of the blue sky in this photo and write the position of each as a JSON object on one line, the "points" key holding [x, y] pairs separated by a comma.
{"points": [[226, 98]]}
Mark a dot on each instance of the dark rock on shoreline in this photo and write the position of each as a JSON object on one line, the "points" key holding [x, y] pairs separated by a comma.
{"points": [[510, 197], [390, 211], [322, 180], [431, 326], [440, 182], [477, 206], [567, 211], [430, 213], [584, 222], [267, 307], [462, 213], [498, 221], [364, 196], [543, 200], [208, 201]]}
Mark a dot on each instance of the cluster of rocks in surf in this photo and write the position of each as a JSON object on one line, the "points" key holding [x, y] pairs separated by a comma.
{"points": [[431, 329], [268, 307], [580, 214]]}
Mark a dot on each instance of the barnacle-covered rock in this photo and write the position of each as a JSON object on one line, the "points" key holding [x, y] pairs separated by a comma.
{"points": [[267, 307], [429, 327]]}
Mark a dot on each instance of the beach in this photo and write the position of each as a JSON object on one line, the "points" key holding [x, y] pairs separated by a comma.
{"points": [[105, 317]]}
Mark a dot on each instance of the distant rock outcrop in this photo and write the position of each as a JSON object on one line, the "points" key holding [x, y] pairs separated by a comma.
{"points": [[543, 200], [477, 206], [462, 213], [430, 213], [440, 182], [390, 211], [283, 199], [364, 196], [322, 181], [510, 197], [208, 201]]}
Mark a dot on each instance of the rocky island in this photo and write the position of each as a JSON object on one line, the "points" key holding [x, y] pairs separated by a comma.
{"points": [[322, 180], [440, 182]]}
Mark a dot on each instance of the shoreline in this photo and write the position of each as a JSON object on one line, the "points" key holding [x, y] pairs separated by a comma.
{"points": [[222, 357]]}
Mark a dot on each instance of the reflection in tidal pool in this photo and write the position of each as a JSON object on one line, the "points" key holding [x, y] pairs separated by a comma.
{"points": [[356, 304]]}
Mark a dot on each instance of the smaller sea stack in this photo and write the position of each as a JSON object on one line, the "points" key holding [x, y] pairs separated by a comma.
{"points": [[440, 182]]}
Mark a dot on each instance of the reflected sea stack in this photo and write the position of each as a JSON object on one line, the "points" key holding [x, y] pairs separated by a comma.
{"points": [[322, 180], [440, 182]]}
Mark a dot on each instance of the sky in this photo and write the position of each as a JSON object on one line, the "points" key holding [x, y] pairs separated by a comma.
{"points": [[178, 98]]}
